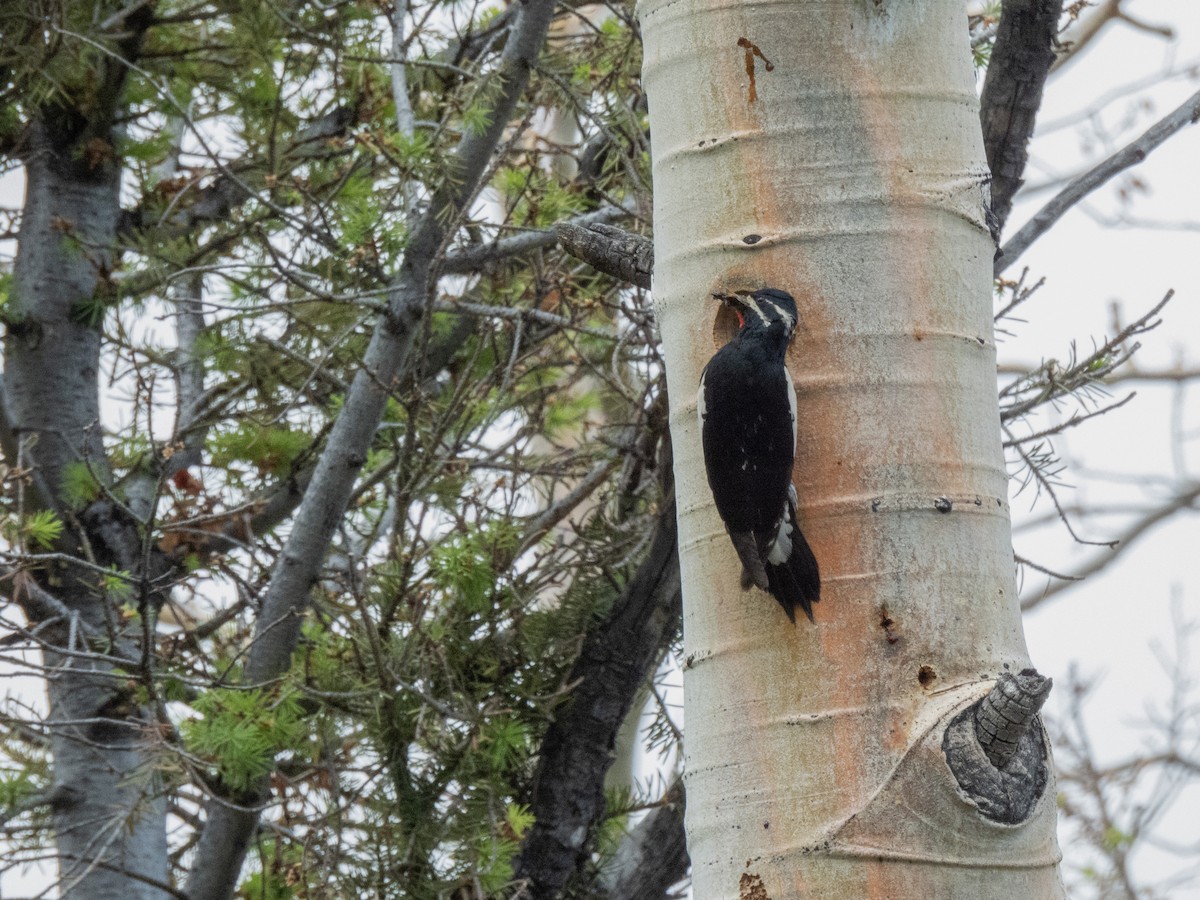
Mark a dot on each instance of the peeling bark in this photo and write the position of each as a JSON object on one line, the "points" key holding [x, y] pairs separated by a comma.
{"points": [[610, 250]]}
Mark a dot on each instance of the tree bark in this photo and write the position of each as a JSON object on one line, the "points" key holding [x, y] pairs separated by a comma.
{"points": [[833, 150], [112, 823], [1012, 93]]}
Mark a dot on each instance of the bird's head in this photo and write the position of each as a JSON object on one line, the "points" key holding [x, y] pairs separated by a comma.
{"points": [[763, 308]]}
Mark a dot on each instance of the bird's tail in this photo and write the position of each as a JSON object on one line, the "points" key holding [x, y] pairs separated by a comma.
{"points": [[795, 579]]}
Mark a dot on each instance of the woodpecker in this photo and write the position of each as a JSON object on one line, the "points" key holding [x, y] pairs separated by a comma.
{"points": [[747, 407]]}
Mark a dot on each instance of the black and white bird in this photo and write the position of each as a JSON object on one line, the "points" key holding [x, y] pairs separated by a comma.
{"points": [[747, 406]]}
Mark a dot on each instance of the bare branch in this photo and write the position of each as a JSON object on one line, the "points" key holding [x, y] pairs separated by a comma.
{"points": [[613, 251], [1186, 114], [1085, 28], [1186, 499], [471, 259]]}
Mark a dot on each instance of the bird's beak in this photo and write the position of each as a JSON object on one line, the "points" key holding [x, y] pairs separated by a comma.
{"points": [[735, 303]]}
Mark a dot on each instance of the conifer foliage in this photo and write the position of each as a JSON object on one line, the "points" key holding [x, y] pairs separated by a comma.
{"points": [[230, 209]]}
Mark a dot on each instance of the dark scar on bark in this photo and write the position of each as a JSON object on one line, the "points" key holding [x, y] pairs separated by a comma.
{"points": [[752, 51]]}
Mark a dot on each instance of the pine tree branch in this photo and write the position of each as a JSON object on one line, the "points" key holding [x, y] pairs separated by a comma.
{"points": [[1012, 93], [228, 829], [234, 184]]}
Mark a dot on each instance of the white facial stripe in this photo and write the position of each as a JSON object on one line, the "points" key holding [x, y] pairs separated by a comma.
{"points": [[788, 321], [752, 304]]}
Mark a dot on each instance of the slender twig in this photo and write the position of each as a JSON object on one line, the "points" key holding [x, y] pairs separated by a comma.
{"points": [[1186, 499], [517, 313], [560, 509], [1076, 419], [1175, 375], [1021, 560], [1185, 114]]}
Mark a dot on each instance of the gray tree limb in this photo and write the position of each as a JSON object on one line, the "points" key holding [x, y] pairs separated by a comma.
{"points": [[229, 828], [1136, 152]]}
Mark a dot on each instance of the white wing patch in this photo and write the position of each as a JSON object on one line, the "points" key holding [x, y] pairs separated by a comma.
{"points": [[791, 392], [702, 410], [781, 547]]}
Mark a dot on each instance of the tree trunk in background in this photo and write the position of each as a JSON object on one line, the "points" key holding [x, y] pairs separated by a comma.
{"points": [[109, 813], [833, 149]]}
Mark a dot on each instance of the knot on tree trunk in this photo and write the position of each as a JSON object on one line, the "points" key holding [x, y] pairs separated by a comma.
{"points": [[1007, 712], [996, 749]]}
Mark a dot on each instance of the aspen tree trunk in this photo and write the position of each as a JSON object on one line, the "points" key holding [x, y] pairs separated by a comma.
{"points": [[833, 149]]}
